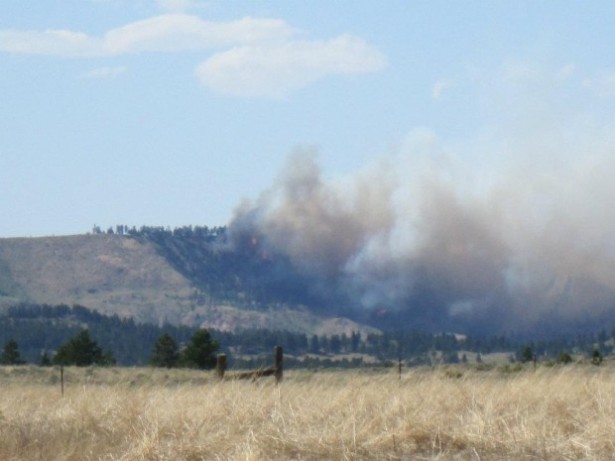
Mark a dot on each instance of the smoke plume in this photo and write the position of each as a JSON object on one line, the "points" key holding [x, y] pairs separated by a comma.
{"points": [[516, 241]]}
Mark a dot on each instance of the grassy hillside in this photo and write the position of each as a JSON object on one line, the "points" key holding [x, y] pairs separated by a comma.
{"points": [[110, 273], [157, 277]]}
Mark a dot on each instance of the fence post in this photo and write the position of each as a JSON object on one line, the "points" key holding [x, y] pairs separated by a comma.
{"points": [[62, 379], [278, 357], [221, 365]]}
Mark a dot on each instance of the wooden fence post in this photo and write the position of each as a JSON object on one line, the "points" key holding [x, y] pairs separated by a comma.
{"points": [[62, 379], [278, 357], [221, 365]]}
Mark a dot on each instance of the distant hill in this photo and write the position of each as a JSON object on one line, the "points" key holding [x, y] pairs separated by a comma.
{"points": [[183, 277], [231, 279], [108, 273]]}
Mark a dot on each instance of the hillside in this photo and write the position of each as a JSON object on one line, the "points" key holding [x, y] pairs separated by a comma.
{"points": [[235, 278], [154, 277], [109, 273]]}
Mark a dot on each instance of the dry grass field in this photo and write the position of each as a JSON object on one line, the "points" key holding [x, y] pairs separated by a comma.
{"points": [[115, 414]]}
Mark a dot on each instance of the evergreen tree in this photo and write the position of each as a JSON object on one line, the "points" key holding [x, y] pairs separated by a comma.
{"points": [[166, 352], [10, 354], [45, 360], [527, 354], [355, 341], [596, 357], [335, 344], [201, 352], [314, 345], [82, 351]]}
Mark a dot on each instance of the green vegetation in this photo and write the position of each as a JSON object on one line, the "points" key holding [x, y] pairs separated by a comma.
{"points": [[166, 352], [10, 354], [42, 329], [565, 358], [596, 357], [47, 334], [200, 352], [527, 354], [82, 351]]}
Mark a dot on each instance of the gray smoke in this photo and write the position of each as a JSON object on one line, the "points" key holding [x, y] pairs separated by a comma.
{"points": [[525, 242]]}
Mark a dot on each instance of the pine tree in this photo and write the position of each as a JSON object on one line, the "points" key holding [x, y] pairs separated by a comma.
{"points": [[314, 345], [166, 352], [527, 354], [45, 360], [201, 352], [10, 354], [82, 351]]}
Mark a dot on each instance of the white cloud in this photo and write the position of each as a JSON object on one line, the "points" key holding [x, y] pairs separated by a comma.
{"points": [[274, 71], [178, 6], [165, 33], [105, 72], [64, 43], [440, 87], [177, 32], [259, 57]]}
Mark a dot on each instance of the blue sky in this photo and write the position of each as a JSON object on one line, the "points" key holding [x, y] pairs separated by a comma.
{"points": [[173, 112]]}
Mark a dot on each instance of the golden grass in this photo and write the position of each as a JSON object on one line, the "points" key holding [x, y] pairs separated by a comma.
{"points": [[146, 414]]}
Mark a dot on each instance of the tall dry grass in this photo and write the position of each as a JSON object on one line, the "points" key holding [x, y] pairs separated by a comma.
{"points": [[146, 414]]}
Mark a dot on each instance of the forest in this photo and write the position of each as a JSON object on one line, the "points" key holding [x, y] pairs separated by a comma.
{"points": [[40, 330]]}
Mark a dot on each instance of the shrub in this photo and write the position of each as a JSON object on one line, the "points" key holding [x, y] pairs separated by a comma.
{"points": [[564, 358], [596, 357]]}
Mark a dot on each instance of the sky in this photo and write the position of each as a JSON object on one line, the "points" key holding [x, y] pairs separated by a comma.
{"points": [[177, 112]]}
